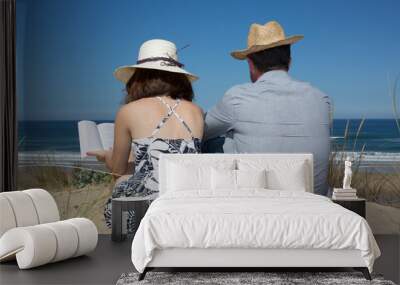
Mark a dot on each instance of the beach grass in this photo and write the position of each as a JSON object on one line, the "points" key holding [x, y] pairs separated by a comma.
{"points": [[372, 183], [78, 191]]}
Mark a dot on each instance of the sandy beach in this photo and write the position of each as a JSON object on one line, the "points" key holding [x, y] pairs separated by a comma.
{"points": [[57, 158]]}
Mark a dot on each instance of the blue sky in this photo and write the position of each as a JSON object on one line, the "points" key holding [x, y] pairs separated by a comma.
{"points": [[67, 50]]}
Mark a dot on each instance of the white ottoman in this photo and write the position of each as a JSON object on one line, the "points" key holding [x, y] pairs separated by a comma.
{"points": [[31, 232]]}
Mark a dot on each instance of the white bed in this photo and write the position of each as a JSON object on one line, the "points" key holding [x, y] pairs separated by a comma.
{"points": [[192, 224]]}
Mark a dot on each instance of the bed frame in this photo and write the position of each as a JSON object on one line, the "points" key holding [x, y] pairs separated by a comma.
{"points": [[260, 259], [244, 259]]}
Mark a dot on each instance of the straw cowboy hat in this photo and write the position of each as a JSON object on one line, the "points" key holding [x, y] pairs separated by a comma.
{"points": [[262, 37], [154, 54]]}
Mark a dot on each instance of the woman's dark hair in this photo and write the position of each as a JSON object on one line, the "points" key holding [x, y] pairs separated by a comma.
{"points": [[271, 59], [146, 83]]}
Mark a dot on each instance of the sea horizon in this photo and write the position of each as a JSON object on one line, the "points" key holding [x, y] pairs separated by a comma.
{"points": [[378, 138]]}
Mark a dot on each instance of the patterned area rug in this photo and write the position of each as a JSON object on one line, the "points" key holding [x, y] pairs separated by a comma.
{"points": [[242, 278]]}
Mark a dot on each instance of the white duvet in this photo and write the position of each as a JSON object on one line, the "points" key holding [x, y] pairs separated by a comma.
{"points": [[252, 218]]}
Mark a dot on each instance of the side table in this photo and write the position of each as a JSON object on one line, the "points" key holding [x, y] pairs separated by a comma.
{"points": [[357, 205], [120, 208]]}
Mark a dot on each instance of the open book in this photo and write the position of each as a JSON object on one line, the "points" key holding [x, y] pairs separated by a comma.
{"points": [[95, 137]]}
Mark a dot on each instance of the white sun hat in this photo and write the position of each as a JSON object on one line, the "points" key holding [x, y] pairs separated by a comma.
{"points": [[154, 54]]}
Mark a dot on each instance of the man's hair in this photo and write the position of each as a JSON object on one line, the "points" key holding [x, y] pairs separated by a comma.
{"points": [[146, 83], [271, 59]]}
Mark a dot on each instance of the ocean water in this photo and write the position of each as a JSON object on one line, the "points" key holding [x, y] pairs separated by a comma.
{"points": [[381, 137], [378, 135]]}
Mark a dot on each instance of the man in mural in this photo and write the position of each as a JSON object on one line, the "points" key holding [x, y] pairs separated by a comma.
{"points": [[273, 113]]}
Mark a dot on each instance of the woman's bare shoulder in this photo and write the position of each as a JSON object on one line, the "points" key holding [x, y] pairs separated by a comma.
{"points": [[135, 105], [193, 108], [145, 104], [126, 108], [128, 112]]}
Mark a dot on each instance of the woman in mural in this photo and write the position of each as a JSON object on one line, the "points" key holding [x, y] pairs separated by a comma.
{"points": [[158, 117]]}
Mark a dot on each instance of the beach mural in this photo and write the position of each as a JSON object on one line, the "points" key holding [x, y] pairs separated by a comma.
{"points": [[67, 51]]}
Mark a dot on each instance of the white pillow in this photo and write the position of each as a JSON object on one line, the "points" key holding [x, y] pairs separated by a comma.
{"points": [[281, 174], [292, 179], [223, 179], [184, 176], [251, 178], [236, 179]]}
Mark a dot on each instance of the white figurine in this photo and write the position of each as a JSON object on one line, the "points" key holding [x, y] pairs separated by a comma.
{"points": [[347, 174]]}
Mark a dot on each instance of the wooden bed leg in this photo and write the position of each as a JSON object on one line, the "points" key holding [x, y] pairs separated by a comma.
{"points": [[143, 274], [364, 271]]}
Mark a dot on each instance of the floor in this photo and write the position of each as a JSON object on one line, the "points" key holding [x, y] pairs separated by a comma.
{"points": [[110, 260], [103, 266]]}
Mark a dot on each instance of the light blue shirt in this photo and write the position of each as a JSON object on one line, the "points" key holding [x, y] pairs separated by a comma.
{"points": [[275, 114]]}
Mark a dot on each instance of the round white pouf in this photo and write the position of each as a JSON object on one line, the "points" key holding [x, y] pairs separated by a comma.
{"points": [[26, 208], [24, 211], [87, 234], [45, 205], [40, 244], [33, 246], [7, 218], [67, 240]]}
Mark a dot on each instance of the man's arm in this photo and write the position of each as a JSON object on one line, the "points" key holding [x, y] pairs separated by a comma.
{"points": [[221, 118]]}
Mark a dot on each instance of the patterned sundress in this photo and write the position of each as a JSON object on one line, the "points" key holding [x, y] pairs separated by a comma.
{"points": [[144, 180]]}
